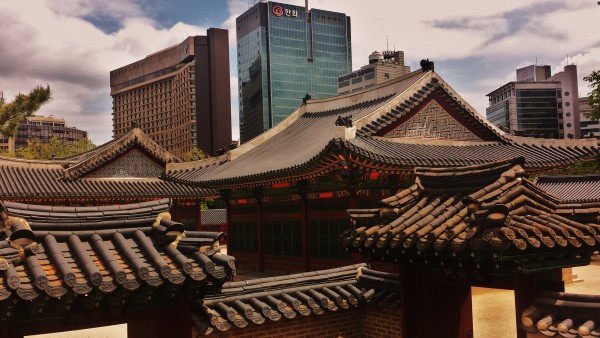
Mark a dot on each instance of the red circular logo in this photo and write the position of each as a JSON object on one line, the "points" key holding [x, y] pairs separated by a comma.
{"points": [[278, 10]]}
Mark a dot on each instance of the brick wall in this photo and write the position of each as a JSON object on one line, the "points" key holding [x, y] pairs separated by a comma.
{"points": [[381, 324], [351, 324]]}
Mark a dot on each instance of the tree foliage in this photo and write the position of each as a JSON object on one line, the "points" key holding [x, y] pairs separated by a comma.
{"points": [[55, 147], [594, 95], [14, 113], [194, 154]]}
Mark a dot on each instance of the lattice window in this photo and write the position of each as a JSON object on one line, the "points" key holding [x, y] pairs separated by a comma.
{"points": [[132, 164], [433, 122]]}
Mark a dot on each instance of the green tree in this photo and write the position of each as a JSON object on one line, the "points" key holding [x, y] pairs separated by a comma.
{"points": [[594, 95], [55, 147], [194, 154], [23, 106]]}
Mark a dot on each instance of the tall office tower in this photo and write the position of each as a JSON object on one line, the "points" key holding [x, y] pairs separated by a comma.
{"points": [[179, 96], [284, 53], [538, 104]]}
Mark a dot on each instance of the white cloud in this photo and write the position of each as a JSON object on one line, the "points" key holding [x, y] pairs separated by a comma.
{"points": [[46, 43]]}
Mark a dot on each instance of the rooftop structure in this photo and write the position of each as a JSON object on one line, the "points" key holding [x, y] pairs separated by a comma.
{"points": [[382, 67], [178, 96]]}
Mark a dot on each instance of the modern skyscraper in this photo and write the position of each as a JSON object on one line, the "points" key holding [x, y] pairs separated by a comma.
{"points": [[538, 104], [284, 53], [179, 96]]}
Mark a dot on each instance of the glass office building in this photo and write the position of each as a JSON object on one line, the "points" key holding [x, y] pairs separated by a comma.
{"points": [[284, 53]]}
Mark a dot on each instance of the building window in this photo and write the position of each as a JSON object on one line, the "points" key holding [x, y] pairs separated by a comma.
{"points": [[357, 79], [244, 236], [386, 75], [283, 237], [325, 238], [566, 93], [568, 114], [568, 125], [567, 104]]}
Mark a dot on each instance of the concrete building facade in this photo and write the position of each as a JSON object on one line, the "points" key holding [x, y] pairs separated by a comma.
{"points": [[179, 96], [382, 67], [284, 53], [42, 128], [589, 128], [538, 104]]}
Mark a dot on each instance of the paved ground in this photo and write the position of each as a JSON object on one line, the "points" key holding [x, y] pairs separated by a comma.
{"points": [[494, 313]]}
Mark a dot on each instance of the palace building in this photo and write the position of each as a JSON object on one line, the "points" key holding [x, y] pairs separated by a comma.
{"points": [[404, 175]]}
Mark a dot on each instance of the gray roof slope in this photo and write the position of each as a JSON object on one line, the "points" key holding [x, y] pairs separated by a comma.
{"points": [[287, 297], [572, 189], [468, 153], [302, 142], [35, 181], [294, 146]]}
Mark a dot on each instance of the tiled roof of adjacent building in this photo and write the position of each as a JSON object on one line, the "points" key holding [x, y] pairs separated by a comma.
{"points": [[63, 180], [292, 296], [58, 251], [313, 141], [81, 164], [572, 189], [569, 315], [480, 217], [409, 154], [29, 182]]}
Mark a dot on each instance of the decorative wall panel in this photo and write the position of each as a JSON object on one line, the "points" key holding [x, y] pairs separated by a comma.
{"points": [[432, 122], [132, 164]]}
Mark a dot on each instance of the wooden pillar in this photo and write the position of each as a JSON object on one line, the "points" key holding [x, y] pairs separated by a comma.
{"points": [[198, 215], [527, 289], [305, 233], [177, 321], [446, 308], [7, 330], [409, 286], [176, 212], [261, 245]]}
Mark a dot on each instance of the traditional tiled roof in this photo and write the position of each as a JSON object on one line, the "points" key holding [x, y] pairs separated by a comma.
{"points": [[82, 164], [487, 217], [556, 314], [286, 153], [311, 141], [572, 189], [292, 296], [68, 251], [213, 217], [42, 181], [409, 154]]}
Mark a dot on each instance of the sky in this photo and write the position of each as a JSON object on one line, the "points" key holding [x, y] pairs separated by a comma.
{"points": [[476, 45]]}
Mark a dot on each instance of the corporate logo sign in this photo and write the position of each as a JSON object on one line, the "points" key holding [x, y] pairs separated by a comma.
{"points": [[280, 11]]}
